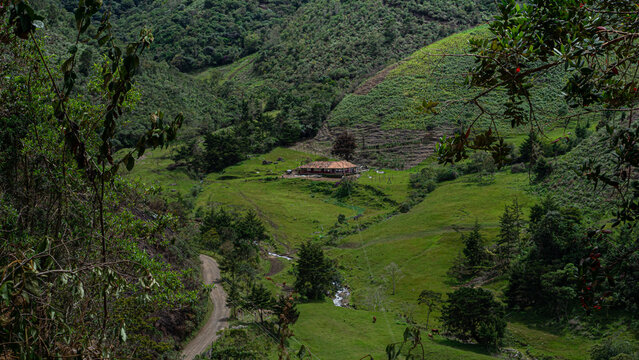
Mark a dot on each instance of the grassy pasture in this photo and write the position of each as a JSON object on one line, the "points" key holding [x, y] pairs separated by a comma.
{"points": [[424, 242]]}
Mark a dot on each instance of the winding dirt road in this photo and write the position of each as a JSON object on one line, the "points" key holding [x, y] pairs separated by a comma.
{"points": [[219, 318]]}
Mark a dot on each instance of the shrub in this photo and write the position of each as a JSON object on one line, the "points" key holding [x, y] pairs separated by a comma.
{"points": [[518, 168], [419, 180], [480, 161], [542, 169], [345, 189], [405, 207], [615, 348], [446, 174]]}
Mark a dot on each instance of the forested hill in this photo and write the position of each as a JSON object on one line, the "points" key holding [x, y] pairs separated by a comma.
{"points": [[193, 34], [298, 57]]}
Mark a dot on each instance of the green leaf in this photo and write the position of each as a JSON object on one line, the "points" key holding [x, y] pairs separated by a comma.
{"points": [[67, 66], [123, 333], [302, 353], [4, 292], [103, 40], [79, 16], [130, 162]]}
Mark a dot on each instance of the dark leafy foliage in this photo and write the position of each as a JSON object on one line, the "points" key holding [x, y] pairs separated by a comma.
{"points": [[344, 146], [315, 274], [474, 313], [546, 277], [90, 267], [474, 247], [595, 42], [222, 149]]}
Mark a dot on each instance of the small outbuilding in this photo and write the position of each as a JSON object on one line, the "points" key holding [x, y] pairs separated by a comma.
{"points": [[333, 168]]}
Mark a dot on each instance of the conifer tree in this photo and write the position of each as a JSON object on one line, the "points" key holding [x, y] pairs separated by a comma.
{"points": [[530, 148], [259, 299], [315, 274], [474, 247], [510, 226]]}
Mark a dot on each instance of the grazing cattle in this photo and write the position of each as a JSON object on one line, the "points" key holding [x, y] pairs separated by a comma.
{"points": [[430, 336], [434, 331]]}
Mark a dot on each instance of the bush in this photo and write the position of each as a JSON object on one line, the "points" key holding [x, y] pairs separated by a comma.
{"points": [[446, 174], [405, 207], [421, 179], [480, 161], [612, 348], [345, 189], [518, 168], [542, 169]]}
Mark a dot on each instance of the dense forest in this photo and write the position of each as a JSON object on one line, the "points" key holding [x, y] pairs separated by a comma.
{"points": [[152, 204]]}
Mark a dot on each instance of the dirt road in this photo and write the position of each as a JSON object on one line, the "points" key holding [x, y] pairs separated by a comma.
{"points": [[219, 317]]}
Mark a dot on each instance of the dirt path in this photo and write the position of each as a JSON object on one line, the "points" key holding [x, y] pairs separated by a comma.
{"points": [[219, 318], [377, 79]]}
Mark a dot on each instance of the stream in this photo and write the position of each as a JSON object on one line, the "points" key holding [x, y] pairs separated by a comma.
{"points": [[341, 297], [280, 256]]}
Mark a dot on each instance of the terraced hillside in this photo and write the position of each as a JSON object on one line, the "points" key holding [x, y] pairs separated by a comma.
{"points": [[384, 112]]}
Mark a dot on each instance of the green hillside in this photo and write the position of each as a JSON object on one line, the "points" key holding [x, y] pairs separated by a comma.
{"points": [[434, 73], [385, 112], [425, 242], [254, 52], [208, 238]]}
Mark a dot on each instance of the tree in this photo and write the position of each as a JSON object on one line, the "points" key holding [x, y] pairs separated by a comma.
{"points": [[259, 299], [221, 149], [77, 249], [474, 313], [542, 169], [251, 228], [315, 274], [510, 227], [190, 154], [285, 308], [545, 276], [234, 298], [432, 300], [594, 43], [344, 145], [530, 149], [239, 236], [560, 290], [394, 273], [287, 314], [474, 247]]}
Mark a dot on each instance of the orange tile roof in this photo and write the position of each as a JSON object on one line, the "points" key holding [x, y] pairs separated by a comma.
{"points": [[329, 165]]}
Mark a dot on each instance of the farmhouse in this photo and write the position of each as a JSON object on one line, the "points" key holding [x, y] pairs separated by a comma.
{"points": [[327, 168]]}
